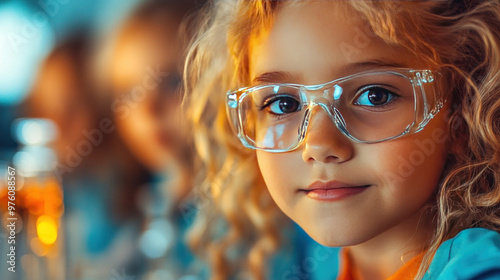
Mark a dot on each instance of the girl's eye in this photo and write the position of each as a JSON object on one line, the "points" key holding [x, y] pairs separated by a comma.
{"points": [[282, 105], [374, 96]]}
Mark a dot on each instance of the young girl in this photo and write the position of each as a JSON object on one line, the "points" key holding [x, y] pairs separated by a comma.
{"points": [[374, 125]]}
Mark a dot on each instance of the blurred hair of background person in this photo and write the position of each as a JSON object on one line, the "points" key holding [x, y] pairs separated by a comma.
{"points": [[62, 93], [141, 70], [144, 77]]}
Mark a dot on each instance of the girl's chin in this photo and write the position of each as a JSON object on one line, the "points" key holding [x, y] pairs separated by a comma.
{"points": [[339, 233]]}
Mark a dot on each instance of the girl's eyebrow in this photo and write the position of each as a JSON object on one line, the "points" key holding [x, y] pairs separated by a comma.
{"points": [[273, 77], [369, 65], [352, 68]]}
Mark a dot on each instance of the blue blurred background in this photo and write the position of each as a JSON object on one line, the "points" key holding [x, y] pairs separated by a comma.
{"points": [[28, 32]]}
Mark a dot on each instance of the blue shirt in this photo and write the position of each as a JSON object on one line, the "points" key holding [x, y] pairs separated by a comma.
{"points": [[473, 254]]}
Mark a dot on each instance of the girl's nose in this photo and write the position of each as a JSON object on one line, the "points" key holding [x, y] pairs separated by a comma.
{"points": [[323, 142]]}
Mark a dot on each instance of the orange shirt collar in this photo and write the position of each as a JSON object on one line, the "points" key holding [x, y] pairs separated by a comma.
{"points": [[407, 272]]}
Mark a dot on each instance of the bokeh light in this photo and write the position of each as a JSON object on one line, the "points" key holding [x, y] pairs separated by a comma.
{"points": [[156, 240], [26, 40], [46, 229]]}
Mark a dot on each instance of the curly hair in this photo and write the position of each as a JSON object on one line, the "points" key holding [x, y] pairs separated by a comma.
{"points": [[460, 37]]}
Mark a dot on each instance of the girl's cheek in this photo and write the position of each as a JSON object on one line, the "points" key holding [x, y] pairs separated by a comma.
{"points": [[276, 167], [415, 160], [283, 173]]}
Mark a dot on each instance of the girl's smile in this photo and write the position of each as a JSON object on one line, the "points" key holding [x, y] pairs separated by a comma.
{"points": [[332, 190]]}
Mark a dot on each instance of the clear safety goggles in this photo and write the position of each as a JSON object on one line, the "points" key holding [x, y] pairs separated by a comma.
{"points": [[367, 107]]}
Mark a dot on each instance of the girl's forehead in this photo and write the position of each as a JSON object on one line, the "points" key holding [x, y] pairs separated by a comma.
{"points": [[316, 41]]}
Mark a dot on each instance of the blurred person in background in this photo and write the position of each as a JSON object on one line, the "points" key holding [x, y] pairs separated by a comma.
{"points": [[144, 78], [141, 69]]}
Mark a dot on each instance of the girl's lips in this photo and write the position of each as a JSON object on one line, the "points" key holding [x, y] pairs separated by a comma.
{"points": [[332, 190], [335, 193]]}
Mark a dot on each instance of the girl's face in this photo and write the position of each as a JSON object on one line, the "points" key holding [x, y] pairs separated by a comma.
{"points": [[379, 190]]}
